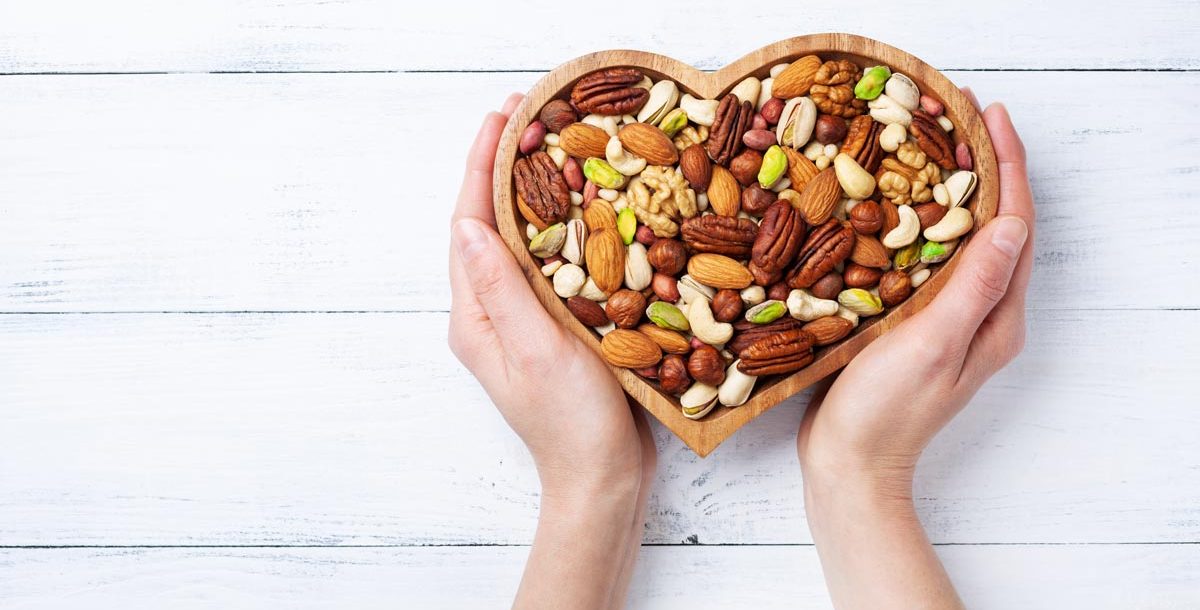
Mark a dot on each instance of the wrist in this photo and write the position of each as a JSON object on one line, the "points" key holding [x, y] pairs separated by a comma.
{"points": [[872, 482]]}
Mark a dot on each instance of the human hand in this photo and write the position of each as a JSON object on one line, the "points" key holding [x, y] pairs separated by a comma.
{"points": [[883, 409], [594, 453]]}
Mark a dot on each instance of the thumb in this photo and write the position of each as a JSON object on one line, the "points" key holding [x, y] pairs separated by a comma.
{"points": [[501, 289], [982, 277]]}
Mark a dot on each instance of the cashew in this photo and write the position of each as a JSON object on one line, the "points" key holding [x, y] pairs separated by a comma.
{"points": [[700, 112], [607, 123], [735, 390], [805, 307], [704, 326], [842, 312], [953, 225], [887, 111], [622, 160], [638, 271], [906, 232], [892, 137], [592, 292]]}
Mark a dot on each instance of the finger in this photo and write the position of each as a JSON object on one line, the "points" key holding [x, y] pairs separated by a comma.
{"points": [[999, 339], [510, 104], [978, 284], [971, 97], [475, 197], [498, 285]]}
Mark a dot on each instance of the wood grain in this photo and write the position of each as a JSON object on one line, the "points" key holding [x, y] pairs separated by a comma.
{"points": [[252, 35], [333, 429], [705, 434], [1030, 577]]}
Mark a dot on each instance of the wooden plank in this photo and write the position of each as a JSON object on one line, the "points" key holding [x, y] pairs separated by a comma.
{"points": [[362, 429], [1028, 577], [251, 35], [332, 192]]}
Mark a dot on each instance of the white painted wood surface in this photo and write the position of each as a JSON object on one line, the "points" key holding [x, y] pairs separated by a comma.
{"points": [[222, 313]]}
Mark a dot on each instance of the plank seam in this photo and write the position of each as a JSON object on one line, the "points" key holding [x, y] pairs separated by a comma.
{"points": [[507, 545]]}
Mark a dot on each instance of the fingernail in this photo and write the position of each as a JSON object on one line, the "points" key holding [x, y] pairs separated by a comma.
{"points": [[1010, 234], [469, 238]]}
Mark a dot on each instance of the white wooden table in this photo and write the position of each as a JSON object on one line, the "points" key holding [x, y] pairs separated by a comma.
{"points": [[223, 375]]}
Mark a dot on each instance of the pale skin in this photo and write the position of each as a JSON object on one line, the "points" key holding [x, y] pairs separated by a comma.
{"points": [[858, 444]]}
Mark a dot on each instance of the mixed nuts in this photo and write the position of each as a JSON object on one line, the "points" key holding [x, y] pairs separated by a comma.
{"points": [[713, 242]]}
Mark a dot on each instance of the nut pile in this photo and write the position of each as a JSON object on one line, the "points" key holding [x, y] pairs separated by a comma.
{"points": [[713, 242]]}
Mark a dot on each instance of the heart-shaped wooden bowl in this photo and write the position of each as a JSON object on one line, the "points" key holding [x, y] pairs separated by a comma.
{"points": [[703, 435]]}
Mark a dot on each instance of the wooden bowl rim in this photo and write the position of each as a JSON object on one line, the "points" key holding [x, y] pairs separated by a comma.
{"points": [[703, 435]]}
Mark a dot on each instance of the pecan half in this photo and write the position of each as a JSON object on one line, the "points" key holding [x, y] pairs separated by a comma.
{"points": [[862, 142], [826, 246], [542, 187], [746, 332], [732, 120], [933, 140], [779, 237], [833, 89], [613, 92], [776, 354], [717, 234]]}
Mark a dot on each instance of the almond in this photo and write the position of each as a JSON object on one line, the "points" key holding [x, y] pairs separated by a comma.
{"points": [[800, 169], [891, 216], [796, 79], [696, 167], [820, 197], [583, 140], [599, 214], [670, 341], [829, 329], [605, 256], [649, 143], [718, 271], [589, 312], [724, 192], [929, 213], [869, 252], [629, 349]]}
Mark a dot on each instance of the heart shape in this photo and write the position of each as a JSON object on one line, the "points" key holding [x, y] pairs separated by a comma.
{"points": [[703, 435]]}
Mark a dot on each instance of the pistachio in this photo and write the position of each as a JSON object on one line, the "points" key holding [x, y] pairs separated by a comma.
{"points": [[735, 390], [638, 272], [959, 187], [622, 160], [901, 88], [592, 292], [805, 307], [602, 174], [856, 181], [573, 248], [907, 231], [690, 290], [663, 97], [674, 121], [700, 112], [666, 315], [871, 84], [568, 280], [547, 243], [766, 312], [936, 251], [956, 223], [627, 224], [774, 166], [698, 400], [860, 301], [887, 111], [796, 122], [908, 255]]}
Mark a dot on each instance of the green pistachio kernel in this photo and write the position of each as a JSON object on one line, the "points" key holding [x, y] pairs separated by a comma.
{"points": [[936, 252], [602, 174], [627, 225], [860, 302], [871, 84], [766, 312], [674, 121], [667, 315], [774, 166], [548, 242], [908, 255]]}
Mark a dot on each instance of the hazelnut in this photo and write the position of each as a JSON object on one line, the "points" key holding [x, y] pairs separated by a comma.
{"points": [[557, 114], [650, 372], [772, 109], [625, 308], [830, 129], [779, 291], [668, 256], [665, 287], [855, 276], [706, 365], [894, 287], [828, 286], [727, 305], [867, 218], [756, 199], [929, 213], [673, 375], [745, 166]]}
